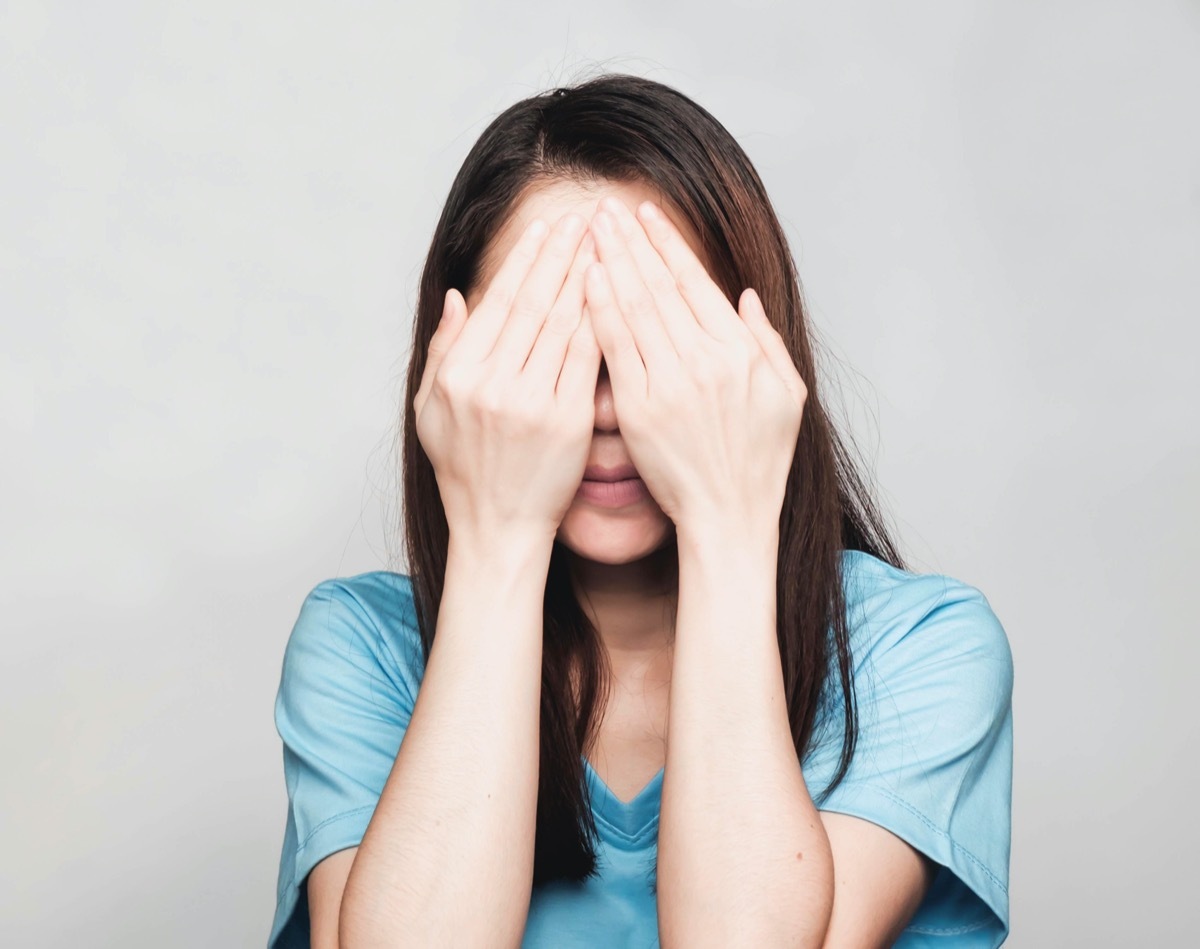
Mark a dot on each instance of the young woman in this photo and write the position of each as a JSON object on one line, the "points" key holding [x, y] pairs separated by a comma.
{"points": [[657, 671]]}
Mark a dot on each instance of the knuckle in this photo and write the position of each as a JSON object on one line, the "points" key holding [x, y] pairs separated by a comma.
{"points": [[487, 402], [527, 248], [585, 254], [447, 383], [624, 345], [527, 306], [640, 304], [523, 414], [561, 322], [662, 283], [500, 296], [507, 406], [688, 279], [567, 231]]}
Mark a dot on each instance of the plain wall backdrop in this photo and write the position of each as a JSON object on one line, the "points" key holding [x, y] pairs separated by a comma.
{"points": [[214, 218]]}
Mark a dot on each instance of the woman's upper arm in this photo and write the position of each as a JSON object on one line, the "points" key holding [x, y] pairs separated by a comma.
{"points": [[933, 764], [326, 884], [351, 671]]}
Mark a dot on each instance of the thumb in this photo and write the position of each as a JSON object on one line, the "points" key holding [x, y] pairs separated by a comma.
{"points": [[450, 323], [779, 357], [454, 309]]}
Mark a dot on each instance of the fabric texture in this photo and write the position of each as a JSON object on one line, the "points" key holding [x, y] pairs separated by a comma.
{"points": [[933, 673]]}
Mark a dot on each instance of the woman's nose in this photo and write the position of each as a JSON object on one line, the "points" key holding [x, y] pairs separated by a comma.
{"points": [[606, 416]]}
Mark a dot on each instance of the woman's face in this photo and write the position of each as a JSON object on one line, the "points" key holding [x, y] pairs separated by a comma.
{"points": [[601, 533]]}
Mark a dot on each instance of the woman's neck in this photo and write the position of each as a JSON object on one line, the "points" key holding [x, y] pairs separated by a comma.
{"points": [[633, 607]]}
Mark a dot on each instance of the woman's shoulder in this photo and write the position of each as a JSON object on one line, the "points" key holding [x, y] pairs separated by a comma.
{"points": [[921, 614], [365, 621], [382, 598]]}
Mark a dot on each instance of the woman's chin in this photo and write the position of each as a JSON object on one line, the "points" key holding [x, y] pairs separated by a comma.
{"points": [[614, 535]]}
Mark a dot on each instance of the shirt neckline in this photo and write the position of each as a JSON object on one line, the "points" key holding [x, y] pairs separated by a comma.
{"points": [[630, 818]]}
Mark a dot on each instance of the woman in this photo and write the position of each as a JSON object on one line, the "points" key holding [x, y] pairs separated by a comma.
{"points": [[648, 597]]}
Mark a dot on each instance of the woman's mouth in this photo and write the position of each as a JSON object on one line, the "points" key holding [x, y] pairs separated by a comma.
{"points": [[613, 493]]}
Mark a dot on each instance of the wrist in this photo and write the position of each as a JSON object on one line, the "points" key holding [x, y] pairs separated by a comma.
{"points": [[489, 545], [724, 538]]}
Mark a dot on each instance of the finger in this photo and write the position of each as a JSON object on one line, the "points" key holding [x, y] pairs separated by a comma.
{"points": [[633, 298], [625, 365], [539, 291], [454, 309], [754, 315], [546, 357], [581, 368], [708, 301], [680, 323], [478, 337]]}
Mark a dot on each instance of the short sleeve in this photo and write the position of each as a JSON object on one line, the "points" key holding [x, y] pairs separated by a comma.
{"points": [[351, 671], [933, 763]]}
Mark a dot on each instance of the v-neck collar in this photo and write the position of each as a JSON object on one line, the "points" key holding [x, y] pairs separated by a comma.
{"points": [[631, 820]]}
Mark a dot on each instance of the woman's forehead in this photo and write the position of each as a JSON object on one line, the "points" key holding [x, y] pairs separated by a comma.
{"points": [[553, 199]]}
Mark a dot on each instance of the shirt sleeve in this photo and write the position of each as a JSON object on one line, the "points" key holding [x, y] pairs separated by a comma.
{"points": [[933, 763], [351, 671]]}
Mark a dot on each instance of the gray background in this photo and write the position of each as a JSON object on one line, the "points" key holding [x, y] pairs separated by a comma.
{"points": [[212, 226]]}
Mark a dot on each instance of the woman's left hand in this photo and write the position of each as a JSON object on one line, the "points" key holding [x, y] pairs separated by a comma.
{"points": [[708, 399]]}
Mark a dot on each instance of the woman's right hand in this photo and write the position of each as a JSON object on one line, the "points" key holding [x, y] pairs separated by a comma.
{"points": [[506, 406]]}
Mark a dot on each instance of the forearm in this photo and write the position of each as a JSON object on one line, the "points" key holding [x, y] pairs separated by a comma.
{"points": [[448, 856], [743, 858]]}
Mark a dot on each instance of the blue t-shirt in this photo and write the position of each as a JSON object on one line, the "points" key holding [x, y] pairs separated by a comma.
{"points": [[934, 677]]}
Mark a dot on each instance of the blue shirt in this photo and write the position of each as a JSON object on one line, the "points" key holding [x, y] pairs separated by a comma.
{"points": [[934, 677]]}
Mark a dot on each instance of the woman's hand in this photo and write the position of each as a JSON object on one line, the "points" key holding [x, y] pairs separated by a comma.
{"points": [[708, 399], [506, 406]]}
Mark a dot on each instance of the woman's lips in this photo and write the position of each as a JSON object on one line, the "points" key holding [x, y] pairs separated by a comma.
{"points": [[613, 493], [601, 473]]}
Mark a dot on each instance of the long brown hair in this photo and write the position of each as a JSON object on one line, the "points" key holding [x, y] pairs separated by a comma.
{"points": [[630, 129]]}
